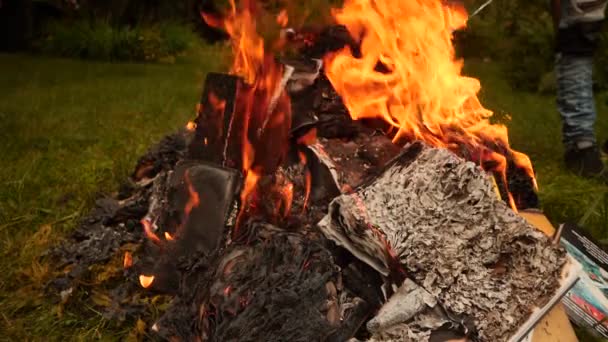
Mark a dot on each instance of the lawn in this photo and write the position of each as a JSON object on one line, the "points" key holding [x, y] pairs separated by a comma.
{"points": [[71, 130]]}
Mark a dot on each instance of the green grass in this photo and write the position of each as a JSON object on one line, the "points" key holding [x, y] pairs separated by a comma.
{"points": [[68, 131], [72, 129]]}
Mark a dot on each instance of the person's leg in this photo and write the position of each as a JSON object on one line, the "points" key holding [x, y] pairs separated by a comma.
{"points": [[575, 99], [576, 106]]}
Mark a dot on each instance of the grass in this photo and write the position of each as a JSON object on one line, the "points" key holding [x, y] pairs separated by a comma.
{"points": [[72, 129], [68, 131]]}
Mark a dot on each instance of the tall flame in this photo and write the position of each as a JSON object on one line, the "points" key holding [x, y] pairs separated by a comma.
{"points": [[263, 104], [406, 74]]}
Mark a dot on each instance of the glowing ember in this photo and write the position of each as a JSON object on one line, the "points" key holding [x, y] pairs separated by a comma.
{"points": [[407, 75], [148, 230], [128, 260], [146, 281], [287, 194], [191, 126], [168, 236], [307, 179]]}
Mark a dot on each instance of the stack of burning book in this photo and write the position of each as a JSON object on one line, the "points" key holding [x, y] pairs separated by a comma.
{"points": [[353, 191]]}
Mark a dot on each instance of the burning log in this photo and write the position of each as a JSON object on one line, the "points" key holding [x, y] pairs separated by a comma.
{"points": [[436, 218]]}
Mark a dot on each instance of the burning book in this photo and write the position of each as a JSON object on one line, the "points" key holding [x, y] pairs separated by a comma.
{"points": [[436, 219], [313, 198]]}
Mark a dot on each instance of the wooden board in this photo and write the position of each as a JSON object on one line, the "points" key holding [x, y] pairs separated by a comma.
{"points": [[555, 326]]}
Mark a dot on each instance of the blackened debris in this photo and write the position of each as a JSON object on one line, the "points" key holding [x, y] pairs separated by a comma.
{"points": [[329, 39], [334, 119], [294, 294], [521, 187], [162, 156], [93, 241]]}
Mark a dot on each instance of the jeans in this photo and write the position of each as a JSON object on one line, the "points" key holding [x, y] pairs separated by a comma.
{"points": [[575, 101]]}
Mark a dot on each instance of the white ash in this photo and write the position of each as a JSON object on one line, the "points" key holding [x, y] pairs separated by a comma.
{"points": [[409, 300], [418, 329], [158, 199], [446, 227]]}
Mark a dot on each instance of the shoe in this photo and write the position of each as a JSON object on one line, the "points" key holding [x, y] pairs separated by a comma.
{"points": [[585, 162]]}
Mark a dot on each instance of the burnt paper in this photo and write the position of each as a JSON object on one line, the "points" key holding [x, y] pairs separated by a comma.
{"points": [[436, 218]]}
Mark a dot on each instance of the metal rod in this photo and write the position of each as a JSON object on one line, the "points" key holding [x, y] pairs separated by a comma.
{"points": [[480, 8]]}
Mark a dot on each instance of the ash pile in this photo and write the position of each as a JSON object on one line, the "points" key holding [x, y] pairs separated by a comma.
{"points": [[295, 223]]}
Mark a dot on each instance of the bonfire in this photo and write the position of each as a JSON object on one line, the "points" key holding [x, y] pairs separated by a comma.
{"points": [[354, 190]]}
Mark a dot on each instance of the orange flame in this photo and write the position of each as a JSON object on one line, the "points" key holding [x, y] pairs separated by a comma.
{"points": [[263, 106], [283, 18], [307, 179], [309, 138], [145, 281], [128, 260], [193, 202], [193, 199], [287, 194], [251, 175], [247, 45], [407, 75], [148, 230]]}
